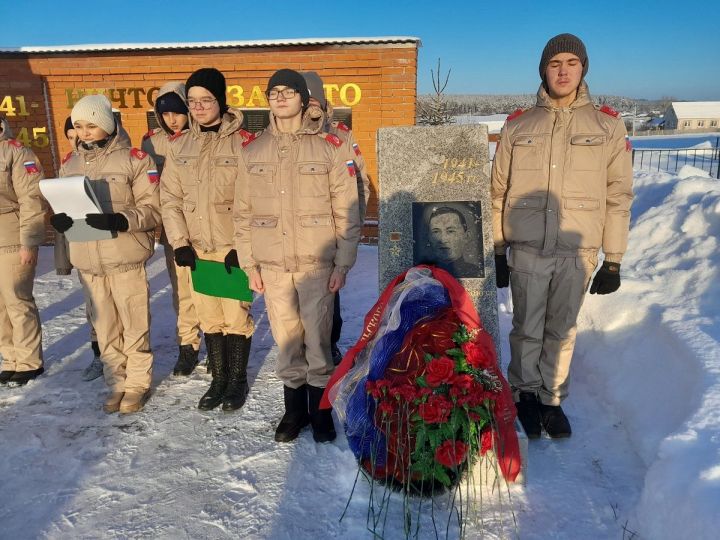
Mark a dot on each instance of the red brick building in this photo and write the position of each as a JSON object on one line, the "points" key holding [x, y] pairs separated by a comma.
{"points": [[370, 81]]}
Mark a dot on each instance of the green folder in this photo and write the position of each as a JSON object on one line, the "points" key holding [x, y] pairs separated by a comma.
{"points": [[211, 278]]}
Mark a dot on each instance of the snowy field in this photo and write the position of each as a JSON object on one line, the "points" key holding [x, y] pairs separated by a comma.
{"points": [[643, 461]]}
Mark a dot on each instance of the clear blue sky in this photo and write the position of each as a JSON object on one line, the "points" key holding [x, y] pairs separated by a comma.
{"points": [[640, 48]]}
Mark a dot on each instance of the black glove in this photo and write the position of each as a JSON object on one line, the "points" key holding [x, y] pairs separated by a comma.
{"points": [[185, 256], [607, 279], [107, 222], [61, 222], [231, 261], [502, 271]]}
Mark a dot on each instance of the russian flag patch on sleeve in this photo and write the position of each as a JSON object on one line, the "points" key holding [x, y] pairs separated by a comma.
{"points": [[31, 167], [356, 148], [153, 176], [350, 164]]}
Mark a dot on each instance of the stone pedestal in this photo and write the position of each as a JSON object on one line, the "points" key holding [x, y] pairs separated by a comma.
{"points": [[435, 207]]}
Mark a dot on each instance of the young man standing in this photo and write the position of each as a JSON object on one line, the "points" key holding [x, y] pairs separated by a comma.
{"points": [[22, 230], [319, 110], [297, 226], [171, 113], [561, 190], [197, 190]]}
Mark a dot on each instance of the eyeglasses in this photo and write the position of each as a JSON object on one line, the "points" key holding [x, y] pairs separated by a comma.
{"points": [[203, 103], [287, 93]]}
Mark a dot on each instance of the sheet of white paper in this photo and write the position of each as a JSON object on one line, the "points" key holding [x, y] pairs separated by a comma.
{"points": [[67, 195], [70, 196]]}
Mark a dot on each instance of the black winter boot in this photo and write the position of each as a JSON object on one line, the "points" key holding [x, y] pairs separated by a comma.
{"points": [[21, 378], [217, 360], [556, 424], [321, 419], [187, 360], [296, 414], [238, 352], [528, 408], [5, 376]]}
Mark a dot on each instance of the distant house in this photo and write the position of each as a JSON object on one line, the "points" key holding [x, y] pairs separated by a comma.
{"points": [[655, 123], [693, 115]]}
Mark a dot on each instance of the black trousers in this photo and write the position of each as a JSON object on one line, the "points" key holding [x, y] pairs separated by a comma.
{"points": [[337, 321]]}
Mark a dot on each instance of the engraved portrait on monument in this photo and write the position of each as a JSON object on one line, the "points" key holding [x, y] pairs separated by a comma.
{"points": [[449, 235]]}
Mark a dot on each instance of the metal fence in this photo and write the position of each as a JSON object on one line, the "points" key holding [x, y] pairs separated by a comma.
{"points": [[672, 159]]}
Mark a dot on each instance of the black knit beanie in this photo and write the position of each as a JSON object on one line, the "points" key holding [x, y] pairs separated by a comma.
{"points": [[171, 102], [68, 125], [291, 79], [564, 43], [213, 81]]}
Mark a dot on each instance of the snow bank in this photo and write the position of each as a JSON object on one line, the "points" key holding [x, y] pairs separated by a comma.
{"points": [[653, 351]]}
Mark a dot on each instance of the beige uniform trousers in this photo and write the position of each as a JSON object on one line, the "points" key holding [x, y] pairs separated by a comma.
{"points": [[188, 325], [547, 293], [222, 315], [119, 306], [300, 309], [20, 336]]}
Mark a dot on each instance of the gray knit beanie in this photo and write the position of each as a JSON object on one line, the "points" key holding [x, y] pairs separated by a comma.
{"points": [[95, 109], [564, 43], [315, 87]]}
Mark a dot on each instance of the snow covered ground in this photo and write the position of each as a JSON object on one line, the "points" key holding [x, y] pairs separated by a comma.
{"points": [[643, 461]]}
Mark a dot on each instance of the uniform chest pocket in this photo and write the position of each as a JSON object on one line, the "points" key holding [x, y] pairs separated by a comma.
{"points": [[113, 192], [314, 180], [187, 169], [527, 153], [261, 178], [4, 176], [225, 169], [586, 152]]}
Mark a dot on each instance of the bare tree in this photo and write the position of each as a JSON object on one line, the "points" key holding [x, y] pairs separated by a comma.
{"points": [[435, 109]]}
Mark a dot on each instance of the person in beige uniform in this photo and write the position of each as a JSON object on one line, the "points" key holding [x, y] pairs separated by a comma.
{"points": [[561, 190], [197, 193], [112, 271], [297, 227], [22, 230], [171, 113], [64, 268], [320, 110]]}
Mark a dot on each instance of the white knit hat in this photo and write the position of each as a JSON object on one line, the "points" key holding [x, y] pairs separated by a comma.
{"points": [[96, 109]]}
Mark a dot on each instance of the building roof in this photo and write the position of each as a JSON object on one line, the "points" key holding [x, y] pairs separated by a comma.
{"points": [[388, 40], [696, 109]]}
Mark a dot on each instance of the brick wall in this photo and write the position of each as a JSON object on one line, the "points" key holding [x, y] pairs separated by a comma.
{"points": [[385, 74]]}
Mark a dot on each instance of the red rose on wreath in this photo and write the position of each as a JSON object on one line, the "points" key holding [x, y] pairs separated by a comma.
{"points": [[476, 355], [451, 453], [404, 391], [486, 441], [386, 408], [436, 410], [439, 371]]}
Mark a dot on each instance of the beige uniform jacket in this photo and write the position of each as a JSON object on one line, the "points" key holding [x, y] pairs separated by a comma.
{"points": [[296, 202], [198, 185], [22, 209], [125, 180], [562, 180]]}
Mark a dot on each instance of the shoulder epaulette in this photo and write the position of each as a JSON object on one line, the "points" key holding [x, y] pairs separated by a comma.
{"points": [[332, 139], [67, 157], [244, 134], [249, 137], [341, 126], [514, 115], [138, 154], [149, 134], [609, 110], [15, 143]]}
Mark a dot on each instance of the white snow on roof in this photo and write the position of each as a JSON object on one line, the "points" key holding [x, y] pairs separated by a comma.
{"points": [[214, 44], [697, 109]]}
